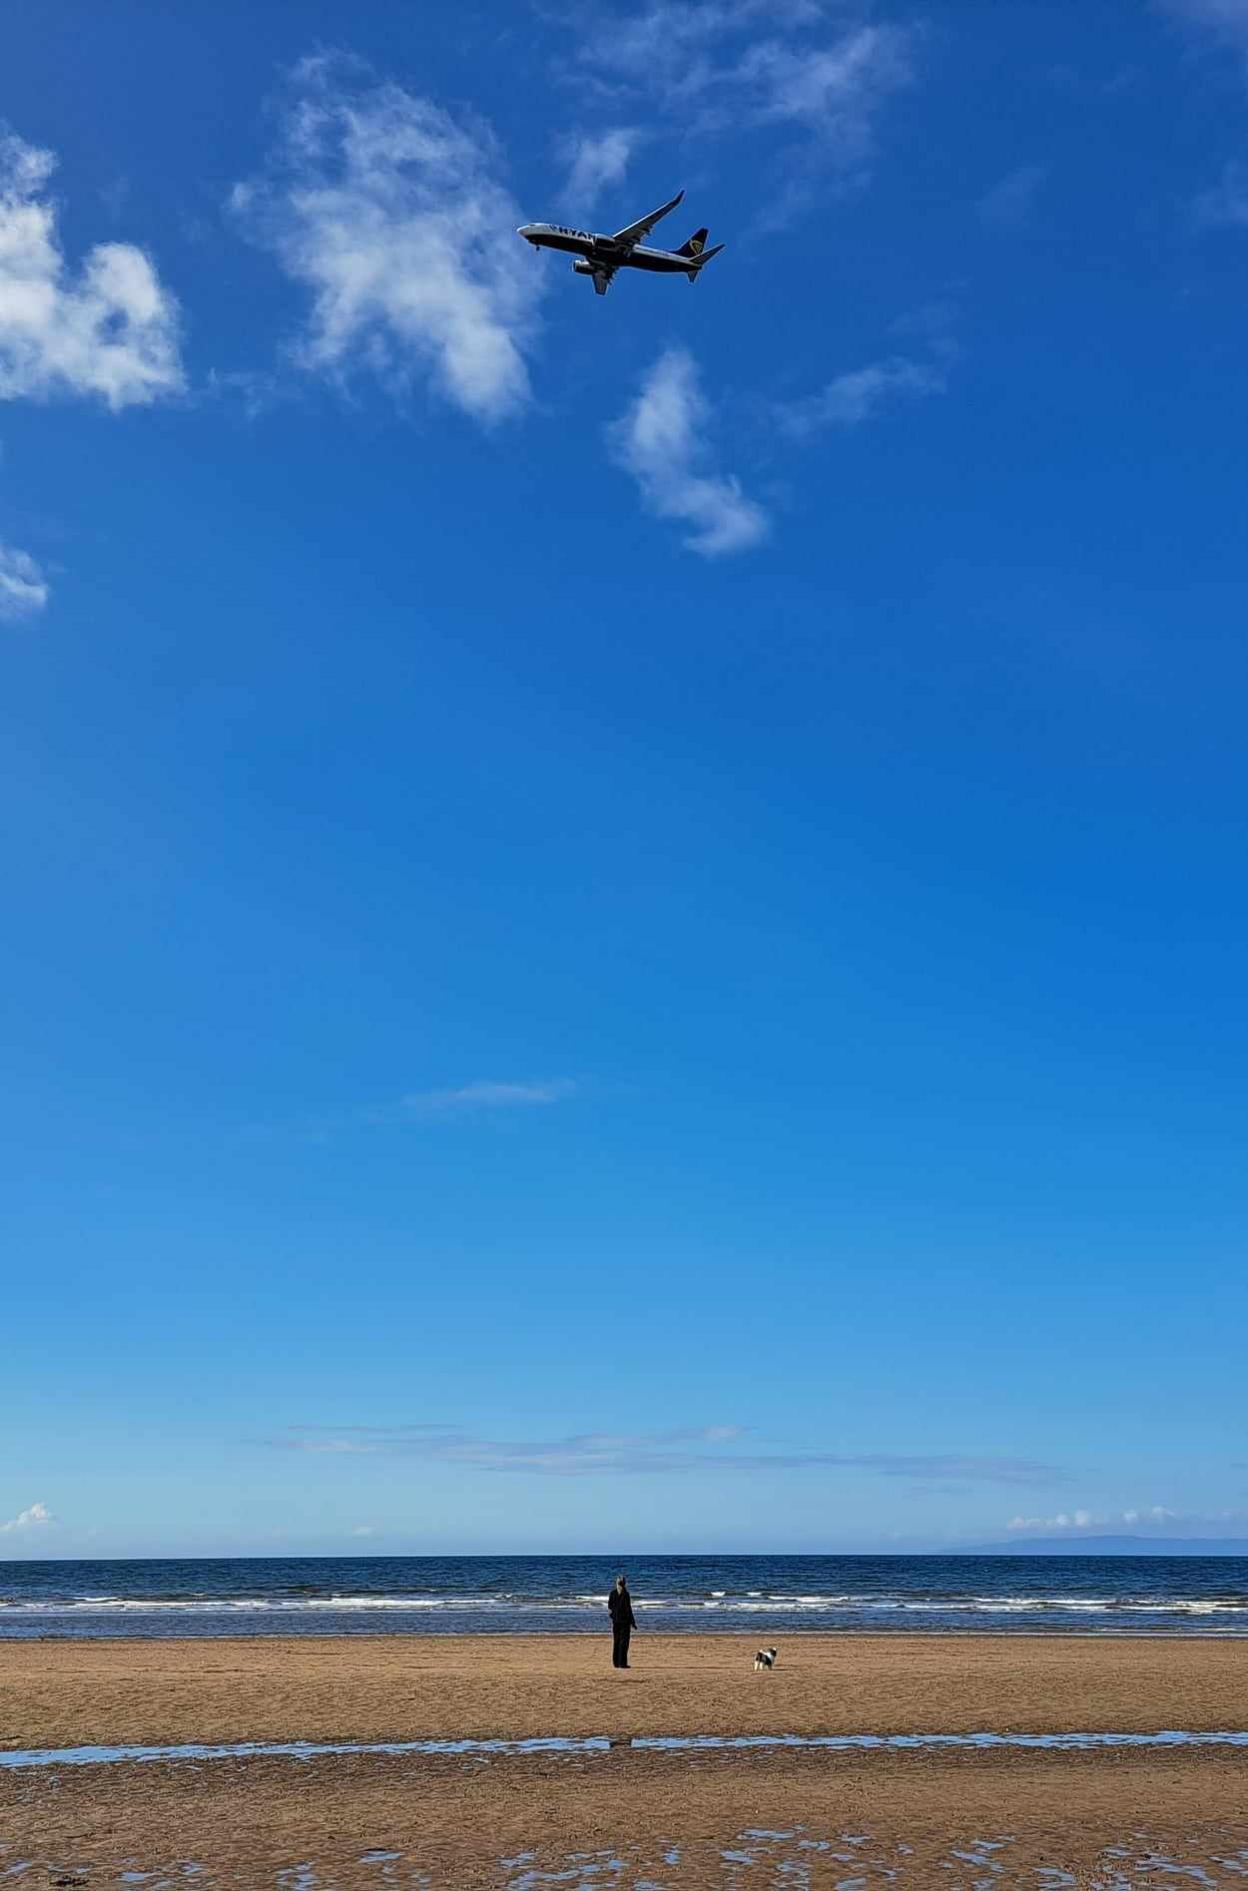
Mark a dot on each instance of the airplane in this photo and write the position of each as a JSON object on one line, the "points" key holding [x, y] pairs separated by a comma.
{"points": [[600, 256]]}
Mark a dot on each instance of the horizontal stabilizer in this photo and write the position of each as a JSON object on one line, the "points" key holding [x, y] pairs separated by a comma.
{"points": [[699, 263]]}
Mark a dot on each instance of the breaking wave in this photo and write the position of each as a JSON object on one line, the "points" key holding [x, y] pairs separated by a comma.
{"points": [[683, 1595], [752, 1604]]}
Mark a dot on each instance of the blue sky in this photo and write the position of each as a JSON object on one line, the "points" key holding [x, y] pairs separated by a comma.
{"points": [[624, 918]]}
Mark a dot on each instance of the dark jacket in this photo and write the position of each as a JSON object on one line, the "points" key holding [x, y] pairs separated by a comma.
{"points": [[620, 1604]]}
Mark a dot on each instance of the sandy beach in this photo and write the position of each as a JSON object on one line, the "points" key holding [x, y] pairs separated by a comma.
{"points": [[672, 1816], [400, 1688]]}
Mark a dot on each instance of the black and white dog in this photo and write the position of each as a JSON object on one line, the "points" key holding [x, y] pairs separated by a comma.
{"points": [[765, 1658]]}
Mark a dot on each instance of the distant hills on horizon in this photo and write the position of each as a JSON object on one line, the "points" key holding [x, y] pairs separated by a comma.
{"points": [[1114, 1546]]}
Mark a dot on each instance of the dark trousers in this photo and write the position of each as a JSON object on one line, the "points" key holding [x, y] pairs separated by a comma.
{"points": [[619, 1649]]}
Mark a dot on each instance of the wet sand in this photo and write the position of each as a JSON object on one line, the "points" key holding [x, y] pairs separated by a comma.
{"points": [[670, 1820]]}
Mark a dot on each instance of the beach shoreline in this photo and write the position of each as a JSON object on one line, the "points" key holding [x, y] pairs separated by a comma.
{"points": [[771, 1597], [242, 1819]]}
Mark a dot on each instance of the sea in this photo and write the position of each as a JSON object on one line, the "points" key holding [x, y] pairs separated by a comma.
{"points": [[760, 1596]]}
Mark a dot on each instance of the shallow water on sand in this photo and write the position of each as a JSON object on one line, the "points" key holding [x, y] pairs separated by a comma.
{"points": [[795, 1860], [15, 1759]]}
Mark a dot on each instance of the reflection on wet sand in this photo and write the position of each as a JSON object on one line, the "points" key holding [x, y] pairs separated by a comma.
{"points": [[793, 1859]]}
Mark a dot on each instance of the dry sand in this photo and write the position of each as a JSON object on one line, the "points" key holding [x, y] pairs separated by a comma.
{"points": [[402, 1687], [456, 1818]]}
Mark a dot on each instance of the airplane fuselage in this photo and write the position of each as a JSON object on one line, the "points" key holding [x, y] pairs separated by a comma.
{"points": [[602, 252]]}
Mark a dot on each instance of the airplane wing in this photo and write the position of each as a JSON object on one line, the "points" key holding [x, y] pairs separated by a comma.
{"points": [[639, 231]]}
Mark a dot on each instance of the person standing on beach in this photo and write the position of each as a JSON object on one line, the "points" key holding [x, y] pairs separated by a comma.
{"points": [[623, 1621]]}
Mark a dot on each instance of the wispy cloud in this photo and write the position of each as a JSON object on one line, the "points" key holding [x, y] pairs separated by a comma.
{"points": [[23, 587], [1225, 19], [858, 395], [392, 214], [489, 1095], [1226, 205], [1011, 201], [484, 1097], [37, 1517], [723, 65], [111, 332], [1225, 23], [932, 323], [833, 91], [697, 1449], [250, 391], [669, 43], [662, 441], [595, 161]]}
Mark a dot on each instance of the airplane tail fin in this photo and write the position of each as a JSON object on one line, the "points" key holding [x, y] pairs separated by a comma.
{"points": [[695, 245], [700, 260]]}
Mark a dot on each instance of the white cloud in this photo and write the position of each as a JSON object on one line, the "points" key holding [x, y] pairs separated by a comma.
{"points": [[389, 211], [856, 396], [1010, 202], [1086, 1520], [661, 441], [488, 1095], [23, 587], [595, 161], [37, 1517], [111, 332], [1064, 1520]]}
